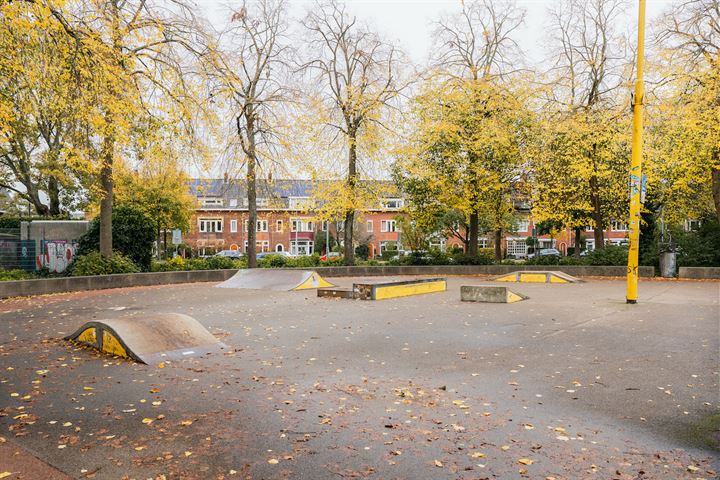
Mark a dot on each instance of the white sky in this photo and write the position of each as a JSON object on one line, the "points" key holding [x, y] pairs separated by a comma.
{"points": [[409, 22]]}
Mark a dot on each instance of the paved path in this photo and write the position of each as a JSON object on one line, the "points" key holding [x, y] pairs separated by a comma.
{"points": [[570, 384]]}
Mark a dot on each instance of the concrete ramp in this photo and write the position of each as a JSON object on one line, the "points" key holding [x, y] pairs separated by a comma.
{"points": [[538, 276], [148, 338], [489, 294], [275, 279]]}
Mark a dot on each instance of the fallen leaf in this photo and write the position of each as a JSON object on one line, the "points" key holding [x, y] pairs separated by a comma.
{"points": [[477, 455], [147, 421], [525, 461], [438, 463], [273, 461], [692, 468], [5, 474]]}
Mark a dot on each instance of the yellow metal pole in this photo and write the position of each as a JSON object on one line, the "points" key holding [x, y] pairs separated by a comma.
{"points": [[636, 178]]}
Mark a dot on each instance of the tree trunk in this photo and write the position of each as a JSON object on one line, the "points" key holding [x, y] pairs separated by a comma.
{"points": [[106, 202], [165, 241], [252, 196], [159, 238], [578, 242], [599, 227], [715, 172], [472, 247], [498, 244], [349, 222], [53, 191]]}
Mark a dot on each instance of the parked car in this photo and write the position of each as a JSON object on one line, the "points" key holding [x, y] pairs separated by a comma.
{"points": [[230, 254], [267, 254], [545, 252]]}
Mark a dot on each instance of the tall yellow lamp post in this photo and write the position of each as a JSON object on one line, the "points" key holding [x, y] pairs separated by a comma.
{"points": [[636, 176]]}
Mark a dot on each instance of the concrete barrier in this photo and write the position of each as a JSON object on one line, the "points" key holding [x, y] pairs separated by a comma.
{"points": [[574, 270], [43, 286], [489, 294], [699, 272]]}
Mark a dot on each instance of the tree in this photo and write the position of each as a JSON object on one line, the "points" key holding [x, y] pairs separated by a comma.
{"points": [[468, 153], [580, 172], [360, 76], [135, 49], [247, 67], [686, 137], [133, 235], [158, 186], [40, 108]]}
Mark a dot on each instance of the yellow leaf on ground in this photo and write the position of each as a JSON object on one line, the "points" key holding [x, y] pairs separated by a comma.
{"points": [[477, 455], [525, 461], [5, 474], [147, 421], [438, 463], [273, 461]]}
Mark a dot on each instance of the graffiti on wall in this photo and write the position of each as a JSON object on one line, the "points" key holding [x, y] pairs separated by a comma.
{"points": [[56, 255]]}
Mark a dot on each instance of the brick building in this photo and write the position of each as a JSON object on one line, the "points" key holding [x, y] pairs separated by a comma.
{"points": [[285, 223]]}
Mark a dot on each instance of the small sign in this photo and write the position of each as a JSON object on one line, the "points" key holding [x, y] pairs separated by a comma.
{"points": [[176, 236]]}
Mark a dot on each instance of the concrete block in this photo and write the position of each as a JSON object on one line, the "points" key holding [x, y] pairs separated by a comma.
{"points": [[489, 294]]}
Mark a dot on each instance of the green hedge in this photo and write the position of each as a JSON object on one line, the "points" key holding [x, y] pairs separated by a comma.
{"points": [[15, 275], [95, 264], [213, 263]]}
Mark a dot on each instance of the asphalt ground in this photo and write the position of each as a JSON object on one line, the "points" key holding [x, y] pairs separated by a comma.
{"points": [[570, 384]]}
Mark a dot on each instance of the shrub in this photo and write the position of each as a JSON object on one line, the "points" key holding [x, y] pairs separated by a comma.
{"points": [[133, 234], [334, 262], [14, 275], [95, 264], [610, 255], [362, 252], [700, 248], [304, 261], [221, 263], [273, 261], [481, 258]]}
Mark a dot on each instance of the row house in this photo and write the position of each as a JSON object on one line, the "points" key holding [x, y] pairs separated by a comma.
{"points": [[285, 222]]}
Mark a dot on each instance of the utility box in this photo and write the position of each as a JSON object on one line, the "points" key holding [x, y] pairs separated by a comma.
{"points": [[668, 264]]}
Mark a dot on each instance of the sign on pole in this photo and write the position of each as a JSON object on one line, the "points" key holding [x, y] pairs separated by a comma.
{"points": [[176, 236]]}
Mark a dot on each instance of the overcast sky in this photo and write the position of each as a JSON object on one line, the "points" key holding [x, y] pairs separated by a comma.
{"points": [[409, 22]]}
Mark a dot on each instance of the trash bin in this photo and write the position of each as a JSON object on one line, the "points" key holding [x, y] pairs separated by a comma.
{"points": [[668, 264]]}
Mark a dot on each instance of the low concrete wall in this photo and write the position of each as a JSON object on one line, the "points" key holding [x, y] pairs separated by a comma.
{"points": [[575, 270], [19, 288], [699, 272]]}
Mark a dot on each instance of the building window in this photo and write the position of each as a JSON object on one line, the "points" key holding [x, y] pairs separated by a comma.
{"points": [[590, 245], [260, 226], [301, 247], [262, 202], [389, 245], [260, 246], [210, 225], [437, 243], [369, 225], [212, 202], [279, 226], [517, 248], [279, 247], [482, 242], [324, 225], [392, 204], [233, 202], [298, 203], [233, 226], [298, 225], [589, 229], [522, 225], [617, 226], [387, 226], [692, 225]]}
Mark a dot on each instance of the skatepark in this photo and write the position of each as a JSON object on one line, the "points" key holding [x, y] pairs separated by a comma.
{"points": [[542, 380]]}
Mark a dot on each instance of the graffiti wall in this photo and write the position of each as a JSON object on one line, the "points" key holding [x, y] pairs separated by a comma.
{"points": [[56, 255]]}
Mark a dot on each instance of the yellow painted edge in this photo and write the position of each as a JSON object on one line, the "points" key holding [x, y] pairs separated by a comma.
{"points": [[513, 297], [555, 279], [394, 291], [111, 345], [314, 281], [533, 277], [89, 335]]}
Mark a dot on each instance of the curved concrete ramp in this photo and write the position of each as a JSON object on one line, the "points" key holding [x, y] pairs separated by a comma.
{"points": [[275, 279], [148, 339]]}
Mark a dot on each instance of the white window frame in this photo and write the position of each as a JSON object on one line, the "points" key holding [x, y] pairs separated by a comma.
{"points": [[233, 226], [369, 226], [388, 226], [303, 224], [279, 226], [618, 226], [260, 225], [301, 247], [398, 203], [210, 225], [279, 247], [517, 248], [260, 246], [523, 225]]}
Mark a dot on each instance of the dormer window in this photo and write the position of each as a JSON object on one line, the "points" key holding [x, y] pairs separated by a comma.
{"points": [[212, 202], [392, 204]]}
